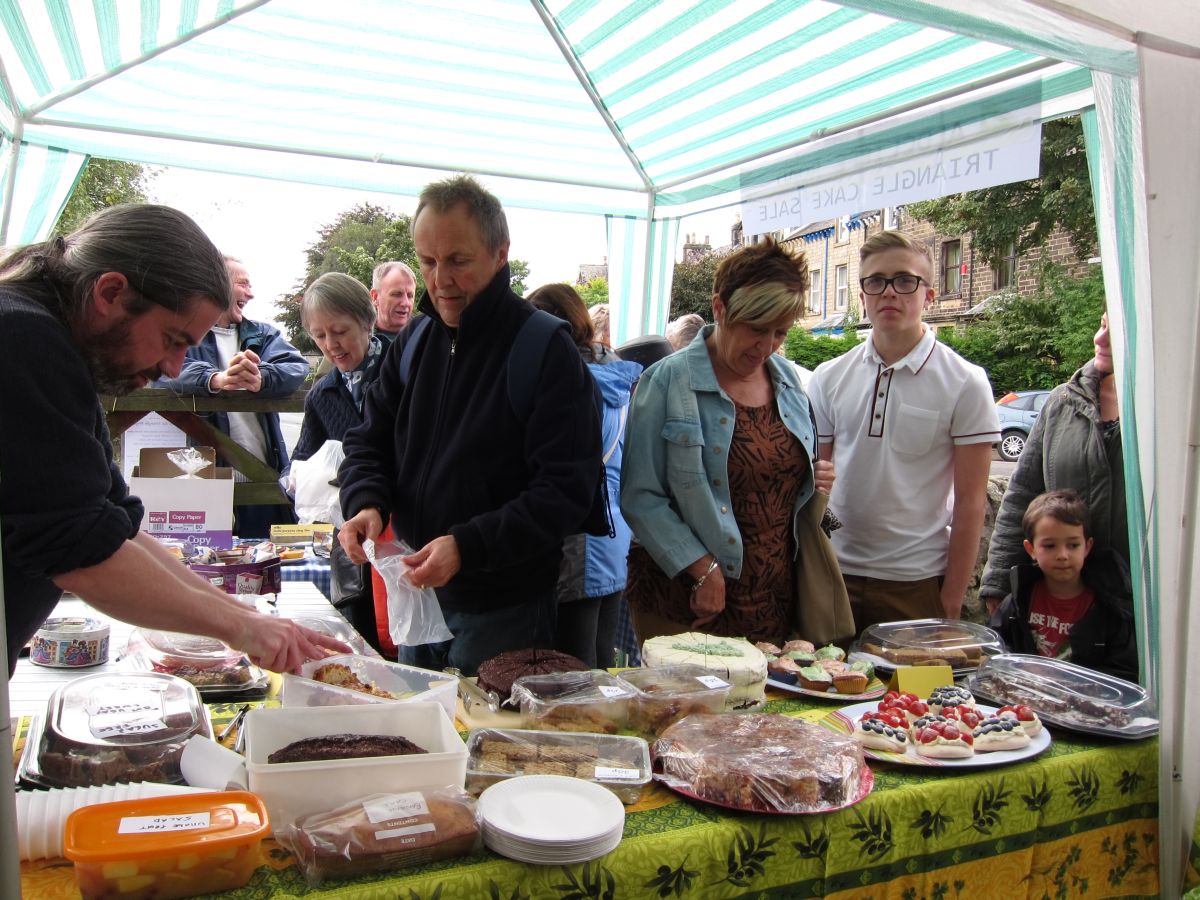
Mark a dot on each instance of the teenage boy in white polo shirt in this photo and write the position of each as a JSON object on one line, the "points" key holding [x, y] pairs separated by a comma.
{"points": [[909, 425]]}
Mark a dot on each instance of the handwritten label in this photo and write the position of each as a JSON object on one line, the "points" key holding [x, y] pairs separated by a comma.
{"points": [[404, 832], [611, 690], [609, 773], [105, 727], [712, 681], [127, 702], [148, 824], [396, 806]]}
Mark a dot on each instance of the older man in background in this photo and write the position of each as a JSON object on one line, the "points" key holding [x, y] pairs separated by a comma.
{"points": [[393, 287]]}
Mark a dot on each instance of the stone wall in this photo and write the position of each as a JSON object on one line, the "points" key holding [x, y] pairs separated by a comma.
{"points": [[972, 607]]}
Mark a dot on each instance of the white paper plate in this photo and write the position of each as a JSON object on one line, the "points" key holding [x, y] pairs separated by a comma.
{"points": [[551, 810], [842, 721]]}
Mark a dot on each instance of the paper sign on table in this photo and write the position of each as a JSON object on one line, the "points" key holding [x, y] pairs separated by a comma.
{"points": [[920, 680]]}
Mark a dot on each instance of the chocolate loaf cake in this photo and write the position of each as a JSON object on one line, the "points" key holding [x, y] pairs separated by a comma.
{"points": [[498, 673], [344, 746]]}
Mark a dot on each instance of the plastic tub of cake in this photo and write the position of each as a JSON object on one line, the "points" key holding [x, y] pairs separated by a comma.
{"points": [[216, 670], [292, 789], [618, 762], [112, 727], [665, 694], [928, 642], [336, 627], [371, 677], [166, 847], [1066, 695], [591, 701]]}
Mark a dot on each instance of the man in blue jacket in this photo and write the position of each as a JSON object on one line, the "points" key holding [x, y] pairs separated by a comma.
{"points": [[239, 354], [486, 494]]}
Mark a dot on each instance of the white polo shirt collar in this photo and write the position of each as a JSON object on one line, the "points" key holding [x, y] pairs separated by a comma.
{"points": [[914, 360]]}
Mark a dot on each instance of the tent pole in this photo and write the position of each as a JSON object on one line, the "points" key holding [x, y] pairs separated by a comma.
{"points": [[10, 185], [10, 864], [646, 268]]}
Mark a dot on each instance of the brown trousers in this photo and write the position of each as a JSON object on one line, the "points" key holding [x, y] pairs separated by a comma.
{"points": [[874, 600]]}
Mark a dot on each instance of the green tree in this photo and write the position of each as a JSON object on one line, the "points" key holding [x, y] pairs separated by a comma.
{"points": [[103, 183], [1036, 340], [519, 272], [594, 292], [692, 287], [811, 350], [1026, 211]]}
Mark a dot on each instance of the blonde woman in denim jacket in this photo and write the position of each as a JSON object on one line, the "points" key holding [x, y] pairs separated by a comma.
{"points": [[719, 459]]}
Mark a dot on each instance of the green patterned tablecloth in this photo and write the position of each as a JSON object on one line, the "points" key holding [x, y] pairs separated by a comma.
{"points": [[1078, 821]]}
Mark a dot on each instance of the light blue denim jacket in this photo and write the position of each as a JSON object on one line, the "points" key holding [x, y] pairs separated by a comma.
{"points": [[674, 478]]}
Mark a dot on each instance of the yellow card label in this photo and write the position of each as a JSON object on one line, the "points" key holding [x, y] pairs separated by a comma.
{"points": [[920, 680]]}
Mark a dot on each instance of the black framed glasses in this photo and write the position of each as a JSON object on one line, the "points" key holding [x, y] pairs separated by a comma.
{"points": [[902, 283]]}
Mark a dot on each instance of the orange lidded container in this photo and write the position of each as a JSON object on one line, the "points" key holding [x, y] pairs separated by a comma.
{"points": [[166, 847]]}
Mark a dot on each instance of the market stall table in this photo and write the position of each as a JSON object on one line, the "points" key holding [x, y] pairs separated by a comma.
{"points": [[1079, 819], [314, 569]]}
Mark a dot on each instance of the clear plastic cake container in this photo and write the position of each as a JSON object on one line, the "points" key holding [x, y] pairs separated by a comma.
{"points": [[216, 670], [961, 645], [114, 727], [295, 789], [665, 694], [404, 683], [617, 762], [336, 627], [591, 701], [1067, 695]]}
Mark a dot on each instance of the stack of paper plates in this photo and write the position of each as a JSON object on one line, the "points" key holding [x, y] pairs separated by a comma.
{"points": [[551, 819]]}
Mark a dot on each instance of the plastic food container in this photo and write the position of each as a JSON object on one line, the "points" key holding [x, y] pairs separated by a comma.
{"points": [[1067, 695], [243, 578], [664, 695], [590, 701], [217, 671], [335, 627], [348, 679], [617, 762], [166, 847], [296, 789], [70, 643], [928, 642], [112, 727]]}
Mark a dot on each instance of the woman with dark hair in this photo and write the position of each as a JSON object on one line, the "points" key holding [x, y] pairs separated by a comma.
{"points": [[720, 461], [593, 573]]}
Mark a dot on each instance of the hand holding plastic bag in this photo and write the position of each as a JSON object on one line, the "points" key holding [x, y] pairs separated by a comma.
{"points": [[414, 614]]}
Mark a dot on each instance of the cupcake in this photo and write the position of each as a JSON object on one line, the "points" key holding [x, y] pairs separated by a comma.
{"points": [[814, 678], [849, 682], [829, 651]]}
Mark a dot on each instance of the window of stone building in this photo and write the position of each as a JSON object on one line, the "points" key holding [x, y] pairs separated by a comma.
{"points": [[841, 289], [816, 290], [952, 267], [843, 229], [1005, 274]]}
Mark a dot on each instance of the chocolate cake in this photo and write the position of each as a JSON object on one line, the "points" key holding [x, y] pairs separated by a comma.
{"points": [[498, 673], [344, 746]]}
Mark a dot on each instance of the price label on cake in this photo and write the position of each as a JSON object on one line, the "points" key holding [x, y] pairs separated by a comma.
{"points": [[396, 806], [611, 773], [611, 690], [712, 681], [127, 703], [105, 727], [407, 832], [147, 824]]}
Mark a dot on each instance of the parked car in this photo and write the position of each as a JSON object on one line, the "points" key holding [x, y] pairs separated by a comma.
{"points": [[1017, 411]]}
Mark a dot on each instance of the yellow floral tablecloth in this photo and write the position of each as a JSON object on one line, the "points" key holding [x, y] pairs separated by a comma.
{"points": [[1078, 821]]}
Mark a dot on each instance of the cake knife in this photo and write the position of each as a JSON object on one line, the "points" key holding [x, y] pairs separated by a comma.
{"points": [[472, 694]]}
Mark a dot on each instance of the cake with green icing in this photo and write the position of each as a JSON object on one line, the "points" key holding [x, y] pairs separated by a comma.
{"points": [[734, 660]]}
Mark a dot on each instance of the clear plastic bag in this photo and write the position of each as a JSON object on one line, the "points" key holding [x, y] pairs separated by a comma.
{"points": [[414, 614], [190, 460], [316, 495]]}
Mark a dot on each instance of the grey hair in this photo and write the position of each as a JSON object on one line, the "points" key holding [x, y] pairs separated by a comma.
{"points": [[384, 269], [481, 204], [681, 331], [166, 258], [339, 295]]}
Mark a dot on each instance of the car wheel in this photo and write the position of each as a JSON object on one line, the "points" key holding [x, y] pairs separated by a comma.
{"points": [[1011, 444]]}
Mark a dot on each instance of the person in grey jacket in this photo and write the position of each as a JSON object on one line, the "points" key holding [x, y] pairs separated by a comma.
{"points": [[1075, 445], [720, 457]]}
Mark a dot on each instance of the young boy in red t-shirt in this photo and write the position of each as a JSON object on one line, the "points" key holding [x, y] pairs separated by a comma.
{"points": [[1070, 604]]}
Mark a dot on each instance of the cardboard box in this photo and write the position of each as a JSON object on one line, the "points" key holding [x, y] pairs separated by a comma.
{"points": [[196, 510]]}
